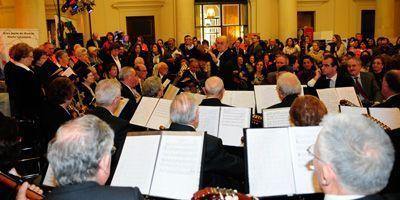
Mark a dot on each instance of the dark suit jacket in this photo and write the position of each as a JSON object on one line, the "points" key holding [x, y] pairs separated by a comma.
{"points": [[80, 65], [45, 71], [131, 106], [92, 190], [220, 168], [227, 63], [341, 81], [24, 90], [120, 128], [370, 87], [286, 102], [89, 99], [392, 102], [212, 102], [373, 197], [52, 117]]}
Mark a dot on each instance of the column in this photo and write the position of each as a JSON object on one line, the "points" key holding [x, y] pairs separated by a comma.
{"points": [[31, 15], [384, 19], [287, 24], [184, 19]]}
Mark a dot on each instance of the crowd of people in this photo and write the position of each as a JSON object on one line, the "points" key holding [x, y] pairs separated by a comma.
{"points": [[68, 97]]}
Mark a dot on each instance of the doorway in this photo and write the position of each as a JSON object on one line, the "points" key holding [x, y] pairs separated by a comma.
{"points": [[144, 26]]}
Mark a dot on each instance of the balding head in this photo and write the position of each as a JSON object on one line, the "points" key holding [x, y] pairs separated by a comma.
{"points": [[141, 71], [214, 87], [162, 68], [184, 111], [222, 43], [288, 84]]}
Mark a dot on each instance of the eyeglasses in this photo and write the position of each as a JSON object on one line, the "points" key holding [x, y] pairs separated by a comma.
{"points": [[113, 150], [310, 164]]}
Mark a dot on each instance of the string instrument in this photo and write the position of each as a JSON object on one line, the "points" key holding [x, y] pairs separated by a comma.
{"points": [[211, 193], [257, 121], [16, 184], [345, 102]]}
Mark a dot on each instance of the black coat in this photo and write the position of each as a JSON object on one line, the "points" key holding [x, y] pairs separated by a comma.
{"points": [[286, 102], [212, 102], [92, 190], [46, 71], [219, 167], [341, 81], [131, 106], [227, 63], [392, 102], [51, 118]]}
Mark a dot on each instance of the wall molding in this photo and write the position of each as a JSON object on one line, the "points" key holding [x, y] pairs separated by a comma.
{"points": [[137, 4]]}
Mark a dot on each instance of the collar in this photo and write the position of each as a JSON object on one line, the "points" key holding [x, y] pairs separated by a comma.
{"points": [[190, 47], [342, 197], [333, 77], [22, 66]]}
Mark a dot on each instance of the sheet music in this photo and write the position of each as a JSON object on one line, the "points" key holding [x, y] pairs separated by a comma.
{"points": [[68, 72], [266, 96], [197, 97], [121, 106], [330, 99], [49, 178], [243, 99], [300, 139], [143, 111], [277, 117], [232, 121], [161, 115], [349, 94], [177, 171], [388, 116], [171, 92], [269, 162], [353, 110], [137, 162], [166, 83], [209, 120]]}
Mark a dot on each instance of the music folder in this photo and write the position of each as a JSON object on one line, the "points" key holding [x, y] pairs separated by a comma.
{"points": [[276, 117], [236, 98], [266, 96], [152, 113], [226, 123], [163, 164], [388, 116], [332, 96], [277, 161]]}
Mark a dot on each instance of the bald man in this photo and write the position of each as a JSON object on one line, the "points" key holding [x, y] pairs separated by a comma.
{"points": [[226, 59], [214, 90], [288, 87]]}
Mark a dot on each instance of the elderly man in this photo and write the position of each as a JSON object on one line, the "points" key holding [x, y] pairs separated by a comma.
{"points": [[129, 81], [225, 59], [221, 169], [80, 157], [108, 96], [353, 158], [162, 71], [214, 89], [280, 61], [193, 78], [142, 74], [288, 87], [364, 83], [391, 89], [152, 87]]}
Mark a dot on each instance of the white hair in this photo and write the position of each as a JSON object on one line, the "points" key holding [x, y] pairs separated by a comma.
{"points": [[288, 84], [126, 72], [214, 85], [183, 109], [79, 52], [106, 91], [151, 86], [74, 154], [360, 152]]}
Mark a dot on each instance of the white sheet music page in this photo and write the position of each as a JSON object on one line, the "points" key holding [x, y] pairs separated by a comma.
{"points": [[300, 139], [388, 116], [269, 162], [197, 97], [330, 99], [276, 117], [349, 94], [353, 110], [171, 92], [68, 72], [161, 115], [121, 106], [136, 164], [49, 178], [231, 124], [243, 99], [177, 172], [266, 96], [143, 111], [209, 120]]}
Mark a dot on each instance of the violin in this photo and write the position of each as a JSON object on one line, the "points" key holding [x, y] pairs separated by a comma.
{"points": [[14, 182]]}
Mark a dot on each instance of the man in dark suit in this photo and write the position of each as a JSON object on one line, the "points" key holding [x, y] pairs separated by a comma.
{"points": [[361, 167], [391, 89], [113, 58], [94, 41], [289, 88], [129, 81], [225, 60], [80, 157], [214, 89], [364, 83], [220, 168], [193, 78], [108, 96], [188, 49]]}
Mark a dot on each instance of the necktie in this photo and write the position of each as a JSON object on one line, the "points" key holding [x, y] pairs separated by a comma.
{"points": [[359, 89]]}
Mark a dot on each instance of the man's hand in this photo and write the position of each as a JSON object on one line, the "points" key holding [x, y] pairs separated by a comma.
{"points": [[21, 195]]}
